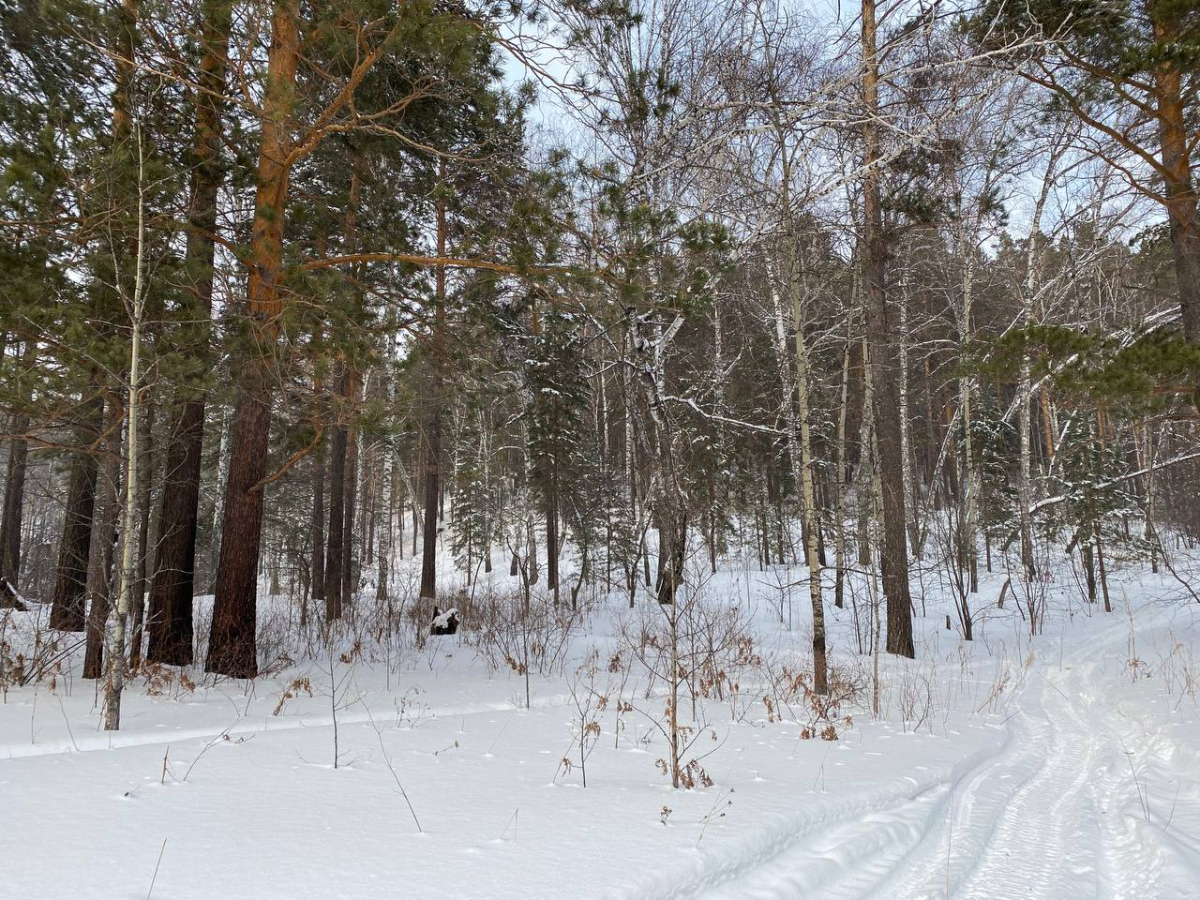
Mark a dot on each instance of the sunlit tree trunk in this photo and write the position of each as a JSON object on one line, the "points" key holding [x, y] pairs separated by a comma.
{"points": [[232, 641], [1176, 137]]}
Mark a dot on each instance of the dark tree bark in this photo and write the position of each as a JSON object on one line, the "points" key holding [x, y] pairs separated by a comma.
{"points": [[884, 362], [12, 513], [335, 549], [11, 516], [433, 437], [170, 620], [318, 523], [341, 470], [70, 601], [416, 510], [433, 426], [370, 488], [552, 528], [232, 648], [102, 544], [350, 491]]}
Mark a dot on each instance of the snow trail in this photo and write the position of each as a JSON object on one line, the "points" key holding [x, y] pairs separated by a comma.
{"points": [[1057, 812]]}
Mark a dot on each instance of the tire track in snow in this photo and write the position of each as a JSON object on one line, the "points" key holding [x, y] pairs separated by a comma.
{"points": [[1043, 844], [1029, 820], [839, 848], [1037, 836]]}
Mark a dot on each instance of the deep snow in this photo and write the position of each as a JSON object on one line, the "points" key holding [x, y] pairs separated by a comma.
{"points": [[1059, 767]]}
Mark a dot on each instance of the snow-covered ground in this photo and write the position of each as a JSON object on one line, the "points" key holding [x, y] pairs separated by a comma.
{"points": [[1063, 766]]}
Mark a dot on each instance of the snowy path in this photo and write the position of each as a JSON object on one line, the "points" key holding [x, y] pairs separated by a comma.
{"points": [[1060, 810]]}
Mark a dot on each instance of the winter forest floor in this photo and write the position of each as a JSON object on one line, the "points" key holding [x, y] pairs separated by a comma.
{"points": [[1059, 767]]}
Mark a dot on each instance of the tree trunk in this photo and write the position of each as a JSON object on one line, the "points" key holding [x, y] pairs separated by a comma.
{"points": [[787, 380], [433, 428], [883, 365], [70, 601], [1024, 387], [433, 438], [1182, 217], [170, 618], [864, 496], [138, 593], [232, 649], [335, 555], [552, 528], [671, 508], [808, 496], [12, 513], [839, 535], [970, 483], [102, 539], [11, 516], [133, 447], [350, 486], [906, 455], [317, 576]]}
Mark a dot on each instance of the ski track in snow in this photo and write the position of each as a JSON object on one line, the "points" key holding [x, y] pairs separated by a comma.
{"points": [[250, 725], [1055, 812]]}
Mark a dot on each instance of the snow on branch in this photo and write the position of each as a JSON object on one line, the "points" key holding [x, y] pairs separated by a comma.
{"points": [[725, 420], [1109, 482]]}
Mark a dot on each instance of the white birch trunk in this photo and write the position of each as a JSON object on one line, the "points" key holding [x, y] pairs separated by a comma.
{"points": [[906, 455], [968, 487], [808, 495], [116, 649]]}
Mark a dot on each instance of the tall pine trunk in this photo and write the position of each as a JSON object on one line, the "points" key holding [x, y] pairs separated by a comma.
{"points": [[11, 515], [350, 488], [170, 617], [69, 611], [433, 409], [1182, 215], [12, 512], [232, 646], [335, 553], [884, 364], [317, 572]]}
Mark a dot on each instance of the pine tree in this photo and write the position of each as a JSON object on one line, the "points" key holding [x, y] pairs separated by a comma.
{"points": [[1112, 62], [170, 614]]}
